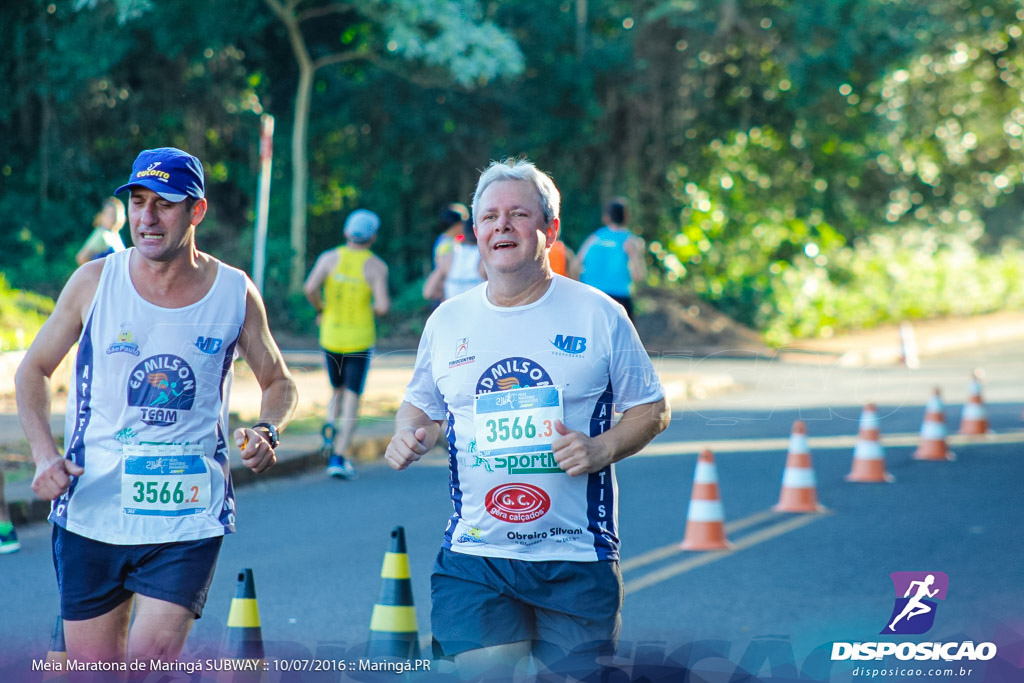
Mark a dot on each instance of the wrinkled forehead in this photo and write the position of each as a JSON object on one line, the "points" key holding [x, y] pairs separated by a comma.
{"points": [[507, 193]]}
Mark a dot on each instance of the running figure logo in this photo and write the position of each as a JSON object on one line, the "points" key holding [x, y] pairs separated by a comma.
{"points": [[914, 613]]}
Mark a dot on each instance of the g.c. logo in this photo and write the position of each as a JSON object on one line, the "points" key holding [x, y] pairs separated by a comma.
{"points": [[517, 503]]}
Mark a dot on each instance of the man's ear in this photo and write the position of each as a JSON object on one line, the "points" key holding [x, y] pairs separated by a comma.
{"points": [[199, 211], [551, 232]]}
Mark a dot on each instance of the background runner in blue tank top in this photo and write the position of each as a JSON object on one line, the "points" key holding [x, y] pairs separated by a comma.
{"points": [[611, 258], [157, 327], [523, 374]]}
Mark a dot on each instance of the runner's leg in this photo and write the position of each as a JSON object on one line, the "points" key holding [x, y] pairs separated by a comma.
{"points": [[349, 421], [494, 663], [334, 406], [5, 515], [100, 639], [334, 362], [159, 630]]}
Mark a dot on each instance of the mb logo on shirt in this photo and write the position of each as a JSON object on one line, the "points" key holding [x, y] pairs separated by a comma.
{"points": [[570, 344], [209, 345]]}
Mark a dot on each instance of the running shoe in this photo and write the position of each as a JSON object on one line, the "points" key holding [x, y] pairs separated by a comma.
{"points": [[327, 432], [339, 467], [8, 539]]}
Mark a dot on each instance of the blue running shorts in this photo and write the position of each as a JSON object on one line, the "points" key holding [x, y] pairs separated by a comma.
{"points": [[348, 370], [95, 577], [563, 607]]}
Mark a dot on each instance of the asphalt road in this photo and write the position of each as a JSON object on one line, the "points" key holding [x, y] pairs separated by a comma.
{"points": [[793, 585]]}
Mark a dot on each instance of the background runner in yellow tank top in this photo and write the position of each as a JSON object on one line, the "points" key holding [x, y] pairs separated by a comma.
{"points": [[348, 286], [346, 323]]}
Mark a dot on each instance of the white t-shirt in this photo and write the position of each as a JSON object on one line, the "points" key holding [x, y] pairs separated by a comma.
{"points": [[148, 416], [578, 348]]}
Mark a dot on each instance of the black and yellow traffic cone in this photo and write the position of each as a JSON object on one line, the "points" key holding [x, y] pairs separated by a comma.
{"points": [[245, 636], [57, 656], [393, 624]]}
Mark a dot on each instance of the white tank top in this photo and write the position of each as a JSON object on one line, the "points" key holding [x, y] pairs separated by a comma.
{"points": [[464, 273], [148, 416]]}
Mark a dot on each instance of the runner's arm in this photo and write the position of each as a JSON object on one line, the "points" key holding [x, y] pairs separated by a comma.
{"points": [[279, 394], [315, 280], [415, 434], [32, 380], [580, 255], [577, 453], [635, 253], [433, 288], [88, 250], [376, 273]]}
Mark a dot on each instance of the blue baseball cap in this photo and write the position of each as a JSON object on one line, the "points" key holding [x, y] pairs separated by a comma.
{"points": [[170, 172], [361, 225]]}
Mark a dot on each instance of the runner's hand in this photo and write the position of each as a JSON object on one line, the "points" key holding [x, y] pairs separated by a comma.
{"points": [[257, 454], [54, 477], [576, 453], [406, 447]]}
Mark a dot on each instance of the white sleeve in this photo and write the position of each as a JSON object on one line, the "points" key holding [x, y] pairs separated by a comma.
{"points": [[422, 390], [633, 379]]}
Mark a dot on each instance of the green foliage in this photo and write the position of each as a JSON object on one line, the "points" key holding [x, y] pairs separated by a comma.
{"points": [[21, 315], [764, 144], [403, 324], [452, 36], [759, 206], [916, 274], [832, 132]]}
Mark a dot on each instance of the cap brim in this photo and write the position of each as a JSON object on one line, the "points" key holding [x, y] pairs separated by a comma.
{"points": [[157, 187]]}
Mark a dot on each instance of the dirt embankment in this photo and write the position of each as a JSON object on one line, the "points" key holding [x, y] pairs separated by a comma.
{"points": [[679, 321], [667, 320]]}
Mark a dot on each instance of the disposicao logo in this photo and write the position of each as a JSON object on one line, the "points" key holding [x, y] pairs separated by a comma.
{"points": [[913, 613], [914, 610]]}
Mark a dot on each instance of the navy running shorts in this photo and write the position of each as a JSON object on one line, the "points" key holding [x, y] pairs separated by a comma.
{"points": [[348, 370], [564, 608], [95, 577]]}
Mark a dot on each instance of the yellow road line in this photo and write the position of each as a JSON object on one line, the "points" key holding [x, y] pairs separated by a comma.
{"points": [[439, 457], [658, 554], [659, 448], [659, 575]]}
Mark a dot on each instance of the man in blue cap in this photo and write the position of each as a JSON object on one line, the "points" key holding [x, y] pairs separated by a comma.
{"points": [[142, 495], [348, 286]]}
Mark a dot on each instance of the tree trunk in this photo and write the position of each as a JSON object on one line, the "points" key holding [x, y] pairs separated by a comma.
{"points": [[581, 29], [303, 95], [300, 171], [45, 122]]}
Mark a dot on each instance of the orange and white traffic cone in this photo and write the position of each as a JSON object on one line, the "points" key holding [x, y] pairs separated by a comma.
{"points": [[799, 483], [933, 432], [868, 454], [705, 520], [973, 421]]}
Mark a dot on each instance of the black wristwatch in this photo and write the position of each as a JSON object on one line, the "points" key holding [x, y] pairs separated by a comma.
{"points": [[268, 432]]}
